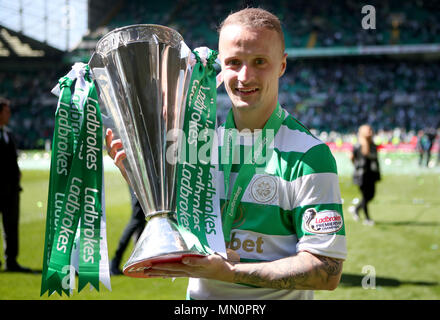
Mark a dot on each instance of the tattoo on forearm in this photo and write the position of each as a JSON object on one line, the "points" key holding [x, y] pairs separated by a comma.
{"points": [[331, 266], [281, 277], [289, 273]]}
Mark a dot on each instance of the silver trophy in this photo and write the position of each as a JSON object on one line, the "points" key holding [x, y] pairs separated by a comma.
{"points": [[142, 74]]}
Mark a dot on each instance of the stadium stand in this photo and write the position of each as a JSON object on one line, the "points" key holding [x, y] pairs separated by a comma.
{"points": [[28, 71], [387, 94], [397, 94], [307, 23]]}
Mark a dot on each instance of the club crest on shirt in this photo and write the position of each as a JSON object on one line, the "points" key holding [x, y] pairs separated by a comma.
{"points": [[322, 222], [264, 189]]}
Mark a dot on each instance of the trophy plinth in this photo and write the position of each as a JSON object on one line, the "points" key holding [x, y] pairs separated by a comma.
{"points": [[148, 250], [142, 74]]}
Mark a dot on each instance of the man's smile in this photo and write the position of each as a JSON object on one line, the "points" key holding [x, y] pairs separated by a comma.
{"points": [[246, 91]]}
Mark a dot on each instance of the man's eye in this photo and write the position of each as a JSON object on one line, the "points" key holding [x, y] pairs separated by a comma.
{"points": [[260, 61], [233, 62]]}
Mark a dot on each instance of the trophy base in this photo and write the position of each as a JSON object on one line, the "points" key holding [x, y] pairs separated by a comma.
{"points": [[160, 242], [137, 270]]}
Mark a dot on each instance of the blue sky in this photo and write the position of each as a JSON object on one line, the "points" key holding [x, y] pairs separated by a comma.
{"points": [[56, 32]]}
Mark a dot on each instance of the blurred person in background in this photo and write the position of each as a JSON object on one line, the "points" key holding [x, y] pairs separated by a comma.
{"points": [[421, 141], [425, 143], [366, 170], [133, 229], [9, 190], [438, 144], [431, 134]]}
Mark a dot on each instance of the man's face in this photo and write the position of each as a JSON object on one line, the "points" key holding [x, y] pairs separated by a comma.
{"points": [[252, 62], [366, 131], [5, 114]]}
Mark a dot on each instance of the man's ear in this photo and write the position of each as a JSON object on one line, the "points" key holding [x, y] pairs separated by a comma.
{"points": [[283, 64]]}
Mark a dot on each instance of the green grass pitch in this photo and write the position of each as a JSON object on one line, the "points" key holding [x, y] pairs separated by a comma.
{"points": [[397, 258]]}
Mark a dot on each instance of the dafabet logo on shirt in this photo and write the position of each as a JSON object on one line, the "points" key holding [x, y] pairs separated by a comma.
{"points": [[248, 245]]}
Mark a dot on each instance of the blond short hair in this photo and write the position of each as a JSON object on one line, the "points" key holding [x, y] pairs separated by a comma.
{"points": [[255, 18]]}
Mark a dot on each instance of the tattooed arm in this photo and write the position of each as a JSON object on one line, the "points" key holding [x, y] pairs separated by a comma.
{"points": [[304, 271]]}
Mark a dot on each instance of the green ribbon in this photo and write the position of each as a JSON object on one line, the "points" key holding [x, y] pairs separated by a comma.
{"points": [[90, 229], [61, 159], [75, 193], [194, 190], [254, 159]]}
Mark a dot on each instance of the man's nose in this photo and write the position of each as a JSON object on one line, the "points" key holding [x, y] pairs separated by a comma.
{"points": [[245, 74]]}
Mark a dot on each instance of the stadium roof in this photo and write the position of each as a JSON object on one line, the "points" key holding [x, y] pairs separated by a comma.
{"points": [[14, 45]]}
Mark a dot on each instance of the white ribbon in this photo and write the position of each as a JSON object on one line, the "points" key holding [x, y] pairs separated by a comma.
{"points": [[78, 71], [203, 54]]}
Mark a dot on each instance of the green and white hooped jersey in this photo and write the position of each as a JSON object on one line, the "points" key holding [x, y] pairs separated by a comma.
{"points": [[292, 205]]}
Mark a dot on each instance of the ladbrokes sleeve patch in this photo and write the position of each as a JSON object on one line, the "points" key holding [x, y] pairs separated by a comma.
{"points": [[322, 222]]}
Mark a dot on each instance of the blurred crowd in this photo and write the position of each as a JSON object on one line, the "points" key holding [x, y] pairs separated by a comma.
{"points": [[327, 96], [32, 105], [342, 95], [307, 23], [333, 97]]}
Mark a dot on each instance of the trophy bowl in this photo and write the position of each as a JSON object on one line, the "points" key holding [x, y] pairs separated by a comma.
{"points": [[142, 74]]}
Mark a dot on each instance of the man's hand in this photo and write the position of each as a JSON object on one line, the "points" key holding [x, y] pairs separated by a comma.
{"points": [[116, 151], [210, 267]]}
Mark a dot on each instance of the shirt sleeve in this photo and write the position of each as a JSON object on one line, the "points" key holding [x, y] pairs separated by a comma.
{"points": [[319, 220]]}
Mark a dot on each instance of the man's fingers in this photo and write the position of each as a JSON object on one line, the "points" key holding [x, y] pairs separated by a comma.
{"points": [[167, 270], [108, 138], [194, 262], [115, 145], [119, 157], [112, 149], [233, 255], [166, 275]]}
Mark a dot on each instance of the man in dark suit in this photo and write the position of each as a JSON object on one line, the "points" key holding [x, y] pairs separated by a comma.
{"points": [[9, 190]]}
